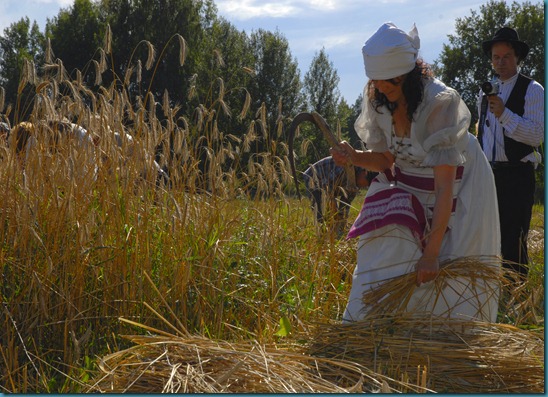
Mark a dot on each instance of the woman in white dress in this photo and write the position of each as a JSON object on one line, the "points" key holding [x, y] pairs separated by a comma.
{"points": [[434, 199]]}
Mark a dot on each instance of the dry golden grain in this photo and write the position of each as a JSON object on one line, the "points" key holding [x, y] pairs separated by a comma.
{"points": [[107, 43], [151, 56], [182, 49]]}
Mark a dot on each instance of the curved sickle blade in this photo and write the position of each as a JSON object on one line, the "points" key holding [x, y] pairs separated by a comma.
{"points": [[320, 122]]}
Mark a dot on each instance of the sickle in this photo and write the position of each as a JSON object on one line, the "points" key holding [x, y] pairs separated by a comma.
{"points": [[320, 122]]}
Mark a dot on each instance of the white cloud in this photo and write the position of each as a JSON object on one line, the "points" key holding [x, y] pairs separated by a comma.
{"points": [[248, 9], [324, 39], [334, 41], [324, 5], [58, 3]]}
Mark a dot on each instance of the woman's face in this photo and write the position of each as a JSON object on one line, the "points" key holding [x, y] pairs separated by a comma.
{"points": [[391, 88]]}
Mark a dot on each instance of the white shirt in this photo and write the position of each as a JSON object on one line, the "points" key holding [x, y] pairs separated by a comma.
{"points": [[528, 129]]}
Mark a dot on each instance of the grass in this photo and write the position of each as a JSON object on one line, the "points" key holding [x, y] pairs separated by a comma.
{"points": [[91, 249]]}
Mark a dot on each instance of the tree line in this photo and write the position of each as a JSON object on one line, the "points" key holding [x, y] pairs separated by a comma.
{"points": [[183, 52]]}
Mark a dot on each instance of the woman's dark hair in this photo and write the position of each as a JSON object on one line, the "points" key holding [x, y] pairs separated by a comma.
{"points": [[412, 88]]}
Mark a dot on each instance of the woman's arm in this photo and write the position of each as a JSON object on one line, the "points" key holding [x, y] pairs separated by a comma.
{"points": [[372, 161], [428, 265]]}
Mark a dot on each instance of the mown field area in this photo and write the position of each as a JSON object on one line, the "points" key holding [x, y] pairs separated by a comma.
{"points": [[219, 262]]}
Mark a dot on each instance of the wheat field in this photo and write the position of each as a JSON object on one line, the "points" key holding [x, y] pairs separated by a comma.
{"points": [[99, 255]]}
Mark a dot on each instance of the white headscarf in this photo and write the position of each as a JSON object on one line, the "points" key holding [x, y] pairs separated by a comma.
{"points": [[390, 52]]}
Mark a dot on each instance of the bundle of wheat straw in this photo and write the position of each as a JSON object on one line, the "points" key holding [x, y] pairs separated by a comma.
{"points": [[439, 354], [477, 278], [199, 365], [456, 355]]}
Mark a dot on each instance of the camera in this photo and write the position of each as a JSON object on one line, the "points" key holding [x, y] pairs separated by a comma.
{"points": [[491, 87]]}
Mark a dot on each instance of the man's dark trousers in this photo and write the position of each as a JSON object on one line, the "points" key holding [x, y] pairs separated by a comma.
{"points": [[515, 192]]}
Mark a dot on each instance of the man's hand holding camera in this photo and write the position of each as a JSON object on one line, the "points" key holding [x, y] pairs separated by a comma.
{"points": [[496, 106], [491, 90]]}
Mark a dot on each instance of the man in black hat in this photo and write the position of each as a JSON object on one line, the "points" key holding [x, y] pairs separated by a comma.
{"points": [[510, 128]]}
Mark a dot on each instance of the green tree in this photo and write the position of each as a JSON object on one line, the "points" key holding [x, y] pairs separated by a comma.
{"points": [[220, 85], [321, 86], [156, 37], [345, 116], [353, 137], [276, 84], [323, 96], [20, 43], [75, 34], [227, 58]]}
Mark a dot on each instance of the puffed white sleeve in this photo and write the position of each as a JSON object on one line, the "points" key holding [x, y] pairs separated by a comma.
{"points": [[368, 129], [443, 129]]}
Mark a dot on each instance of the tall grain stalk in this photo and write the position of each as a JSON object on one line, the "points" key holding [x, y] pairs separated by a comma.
{"points": [[80, 229]]}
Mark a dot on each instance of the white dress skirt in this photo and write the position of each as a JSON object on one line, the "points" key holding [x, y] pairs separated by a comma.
{"points": [[389, 242]]}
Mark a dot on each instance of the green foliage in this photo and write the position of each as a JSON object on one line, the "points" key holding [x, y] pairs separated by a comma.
{"points": [[346, 118], [225, 79], [285, 327], [322, 93], [76, 34], [356, 108], [20, 43], [276, 82], [321, 86], [137, 24]]}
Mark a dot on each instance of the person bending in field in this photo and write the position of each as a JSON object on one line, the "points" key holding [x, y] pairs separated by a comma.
{"points": [[325, 184], [434, 199]]}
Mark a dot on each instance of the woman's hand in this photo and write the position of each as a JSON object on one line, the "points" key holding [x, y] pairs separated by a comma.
{"points": [[428, 265], [427, 270], [342, 154]]}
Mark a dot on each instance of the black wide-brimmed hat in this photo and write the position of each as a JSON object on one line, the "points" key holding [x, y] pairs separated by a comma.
{"points": [[508, 35]]}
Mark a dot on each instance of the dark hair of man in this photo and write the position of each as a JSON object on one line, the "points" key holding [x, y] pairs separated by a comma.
{"points": [[412, 88]]}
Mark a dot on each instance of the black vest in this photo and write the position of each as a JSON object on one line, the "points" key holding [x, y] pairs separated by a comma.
{"points": [[515, 150]]}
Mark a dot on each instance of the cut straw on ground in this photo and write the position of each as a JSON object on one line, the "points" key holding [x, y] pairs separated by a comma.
{"points": [[389, 351]]}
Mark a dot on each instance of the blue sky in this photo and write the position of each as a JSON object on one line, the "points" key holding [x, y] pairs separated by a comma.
{"points": [[339, 26]]}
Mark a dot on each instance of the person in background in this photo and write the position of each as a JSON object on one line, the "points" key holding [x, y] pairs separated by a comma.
{"points": [[20, 139], [131, 150], [434, 198], [4, 132], [325, 183], [510, 129]]}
